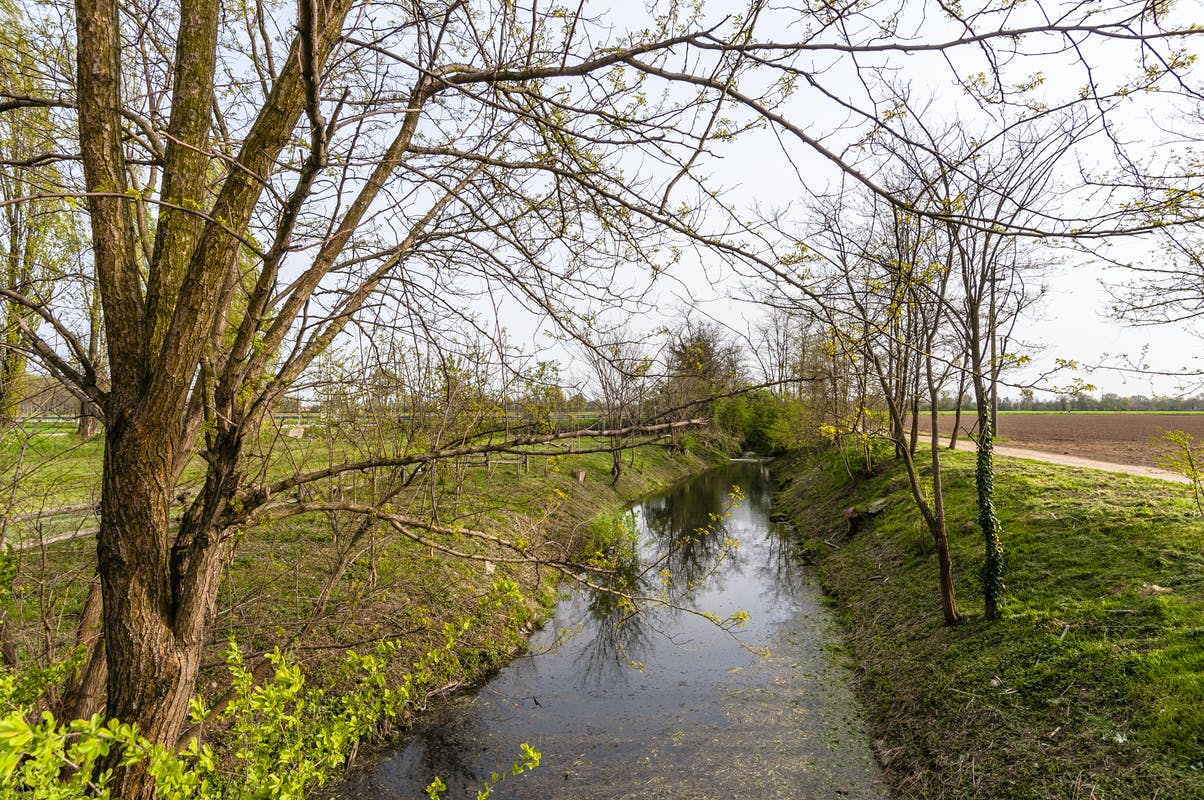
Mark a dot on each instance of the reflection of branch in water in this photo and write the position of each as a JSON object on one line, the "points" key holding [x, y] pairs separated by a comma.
{"points": [[690, 557], [781, 572], [627, 602], [632, 593], [689, 507], [619, 643], [617, 618], [562, 635], [619, 613]]}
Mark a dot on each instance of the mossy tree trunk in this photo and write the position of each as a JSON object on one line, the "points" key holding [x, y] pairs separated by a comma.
{"points": [[88, 425], [12, 370], [988, 523], [159, 578]]}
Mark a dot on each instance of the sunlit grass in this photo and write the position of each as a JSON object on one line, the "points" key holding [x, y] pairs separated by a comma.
{"points": [[1092, 684]]}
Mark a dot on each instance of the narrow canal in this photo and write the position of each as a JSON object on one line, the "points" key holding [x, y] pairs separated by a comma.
{"points": [[664, 703]]}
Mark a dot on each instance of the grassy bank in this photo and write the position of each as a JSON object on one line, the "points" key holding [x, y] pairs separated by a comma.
{"points": [[320, 571], [407, 589], [319, 584], [1093, 683]]}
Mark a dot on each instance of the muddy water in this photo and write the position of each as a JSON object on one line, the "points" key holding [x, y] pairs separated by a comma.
{"points": [[664, 704]]}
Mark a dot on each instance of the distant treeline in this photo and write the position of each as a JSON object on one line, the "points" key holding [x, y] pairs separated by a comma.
{"points": [[1087, 402]]}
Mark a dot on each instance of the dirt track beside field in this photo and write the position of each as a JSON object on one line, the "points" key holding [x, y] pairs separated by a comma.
{"points": [[1116, 439]]}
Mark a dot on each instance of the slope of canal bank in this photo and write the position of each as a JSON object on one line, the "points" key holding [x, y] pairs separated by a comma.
{"points": [[664, 702], [554, 506], [1091, 686]]}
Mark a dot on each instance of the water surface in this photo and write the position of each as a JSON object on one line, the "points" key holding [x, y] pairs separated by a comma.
{"points": [[664, 703]]}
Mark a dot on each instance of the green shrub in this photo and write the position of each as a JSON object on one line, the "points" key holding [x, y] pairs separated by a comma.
{"points": [[759, 419], [283, 738]]}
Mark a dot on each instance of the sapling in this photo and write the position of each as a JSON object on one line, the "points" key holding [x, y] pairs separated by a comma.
{"points": [[1179, 452]]}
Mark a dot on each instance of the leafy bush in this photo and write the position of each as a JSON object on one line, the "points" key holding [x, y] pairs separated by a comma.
{"points": [[1179, 452], [753, 417], [283, 738]]}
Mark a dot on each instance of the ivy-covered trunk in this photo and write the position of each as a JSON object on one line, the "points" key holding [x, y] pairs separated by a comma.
{"points": [[984, 481]]}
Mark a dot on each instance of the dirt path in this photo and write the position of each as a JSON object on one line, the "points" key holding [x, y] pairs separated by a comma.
{"points": [[1077, 461]]}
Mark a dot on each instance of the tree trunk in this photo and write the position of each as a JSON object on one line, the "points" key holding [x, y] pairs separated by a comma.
{"points": [[84, 694], [984, 474], [8, 646], [936, 519], [159, 600], [151, 672], [12, 375], [89, 425], [984, 481], [957, 411], [945, 563], [162, 322], [616, 460], [913, 437], [933, 512], [957, 423]]}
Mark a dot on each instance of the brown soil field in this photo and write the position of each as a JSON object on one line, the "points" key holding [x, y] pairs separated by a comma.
{"points": [[1119, 438]]}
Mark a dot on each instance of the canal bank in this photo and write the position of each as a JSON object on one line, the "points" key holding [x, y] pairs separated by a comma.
{"points": [[1091, 684], [415, 619], [664, 703]]}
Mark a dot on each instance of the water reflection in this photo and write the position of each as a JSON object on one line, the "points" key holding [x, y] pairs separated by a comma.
{"points": [[685, 546], [649, 702]]}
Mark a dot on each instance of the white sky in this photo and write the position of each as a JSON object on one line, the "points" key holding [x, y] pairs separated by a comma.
{"points": [[1072, 324]]}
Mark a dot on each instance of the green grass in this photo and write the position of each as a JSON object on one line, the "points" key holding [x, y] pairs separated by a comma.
{"points": [[392, 587], [1093, 683], [1046, 412]]}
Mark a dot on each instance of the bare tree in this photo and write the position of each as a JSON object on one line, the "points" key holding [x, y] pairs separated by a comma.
{"points": [[886, 274], [1159, 278], [280, 217], [622, 370], [995, 273], [782, 344], [1009, 177], [254, 185]]}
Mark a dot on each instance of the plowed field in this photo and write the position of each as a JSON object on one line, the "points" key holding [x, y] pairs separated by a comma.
{"points": [[1120, 438]]}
